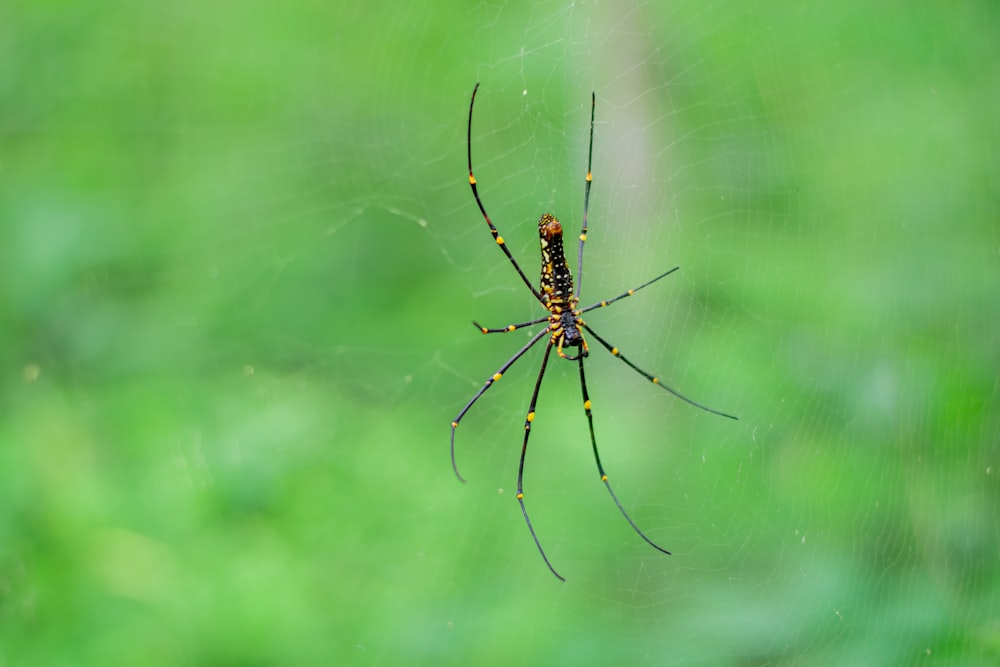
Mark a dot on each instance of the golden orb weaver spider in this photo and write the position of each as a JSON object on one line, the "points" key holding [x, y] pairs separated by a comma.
{"points": [[564, 326]]}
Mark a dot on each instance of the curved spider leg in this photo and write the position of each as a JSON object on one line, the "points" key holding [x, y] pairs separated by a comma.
{"points": [[652, 378], [475, 193], [602, 304], [584, 350], [489, 383], [524, 450], [600, 468]]}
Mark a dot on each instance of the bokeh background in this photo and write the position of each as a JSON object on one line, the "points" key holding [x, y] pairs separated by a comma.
{"points": [[238, 261]]}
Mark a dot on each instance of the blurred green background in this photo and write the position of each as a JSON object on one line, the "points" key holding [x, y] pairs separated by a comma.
{"points": [[239, 260]]}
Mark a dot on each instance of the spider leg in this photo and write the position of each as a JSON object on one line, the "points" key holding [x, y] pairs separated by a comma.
{"points": [[586, 198], [475, 193], [524, 450], [602, 304], [652, 378], [489, 383], [509, 327], [600, 468]]}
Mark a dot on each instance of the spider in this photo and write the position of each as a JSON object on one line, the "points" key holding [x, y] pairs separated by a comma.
{"points": [[564, 328]]}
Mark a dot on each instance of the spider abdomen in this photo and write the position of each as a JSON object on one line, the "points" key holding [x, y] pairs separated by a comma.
{"points": [[557, 281]]}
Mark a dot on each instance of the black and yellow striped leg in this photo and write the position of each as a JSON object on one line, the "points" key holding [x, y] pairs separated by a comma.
{"points": [[652, 378], [475, 193], [600, 468], [489, 383], [509, 327], [524, 450], [586, 199], [602, 304]]}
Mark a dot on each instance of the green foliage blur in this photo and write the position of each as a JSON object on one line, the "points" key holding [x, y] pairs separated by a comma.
{"points": [[238, 261]]}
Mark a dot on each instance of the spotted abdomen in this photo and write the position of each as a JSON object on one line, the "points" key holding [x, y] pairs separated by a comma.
{"points": [[557, 281]]}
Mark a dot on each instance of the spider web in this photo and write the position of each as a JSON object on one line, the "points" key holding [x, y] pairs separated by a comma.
{"points": [[240, 270]]}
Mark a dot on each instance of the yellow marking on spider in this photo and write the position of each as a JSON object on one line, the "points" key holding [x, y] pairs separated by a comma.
{"points": [[497, 376], [511, 327], [656, 380], [531, 416], [586, 404], [589, 177], [499, 240], [614, 351], [583, 237], [631, 292], [454, 424], [472, 179], [604, 478], [520, 496]]}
